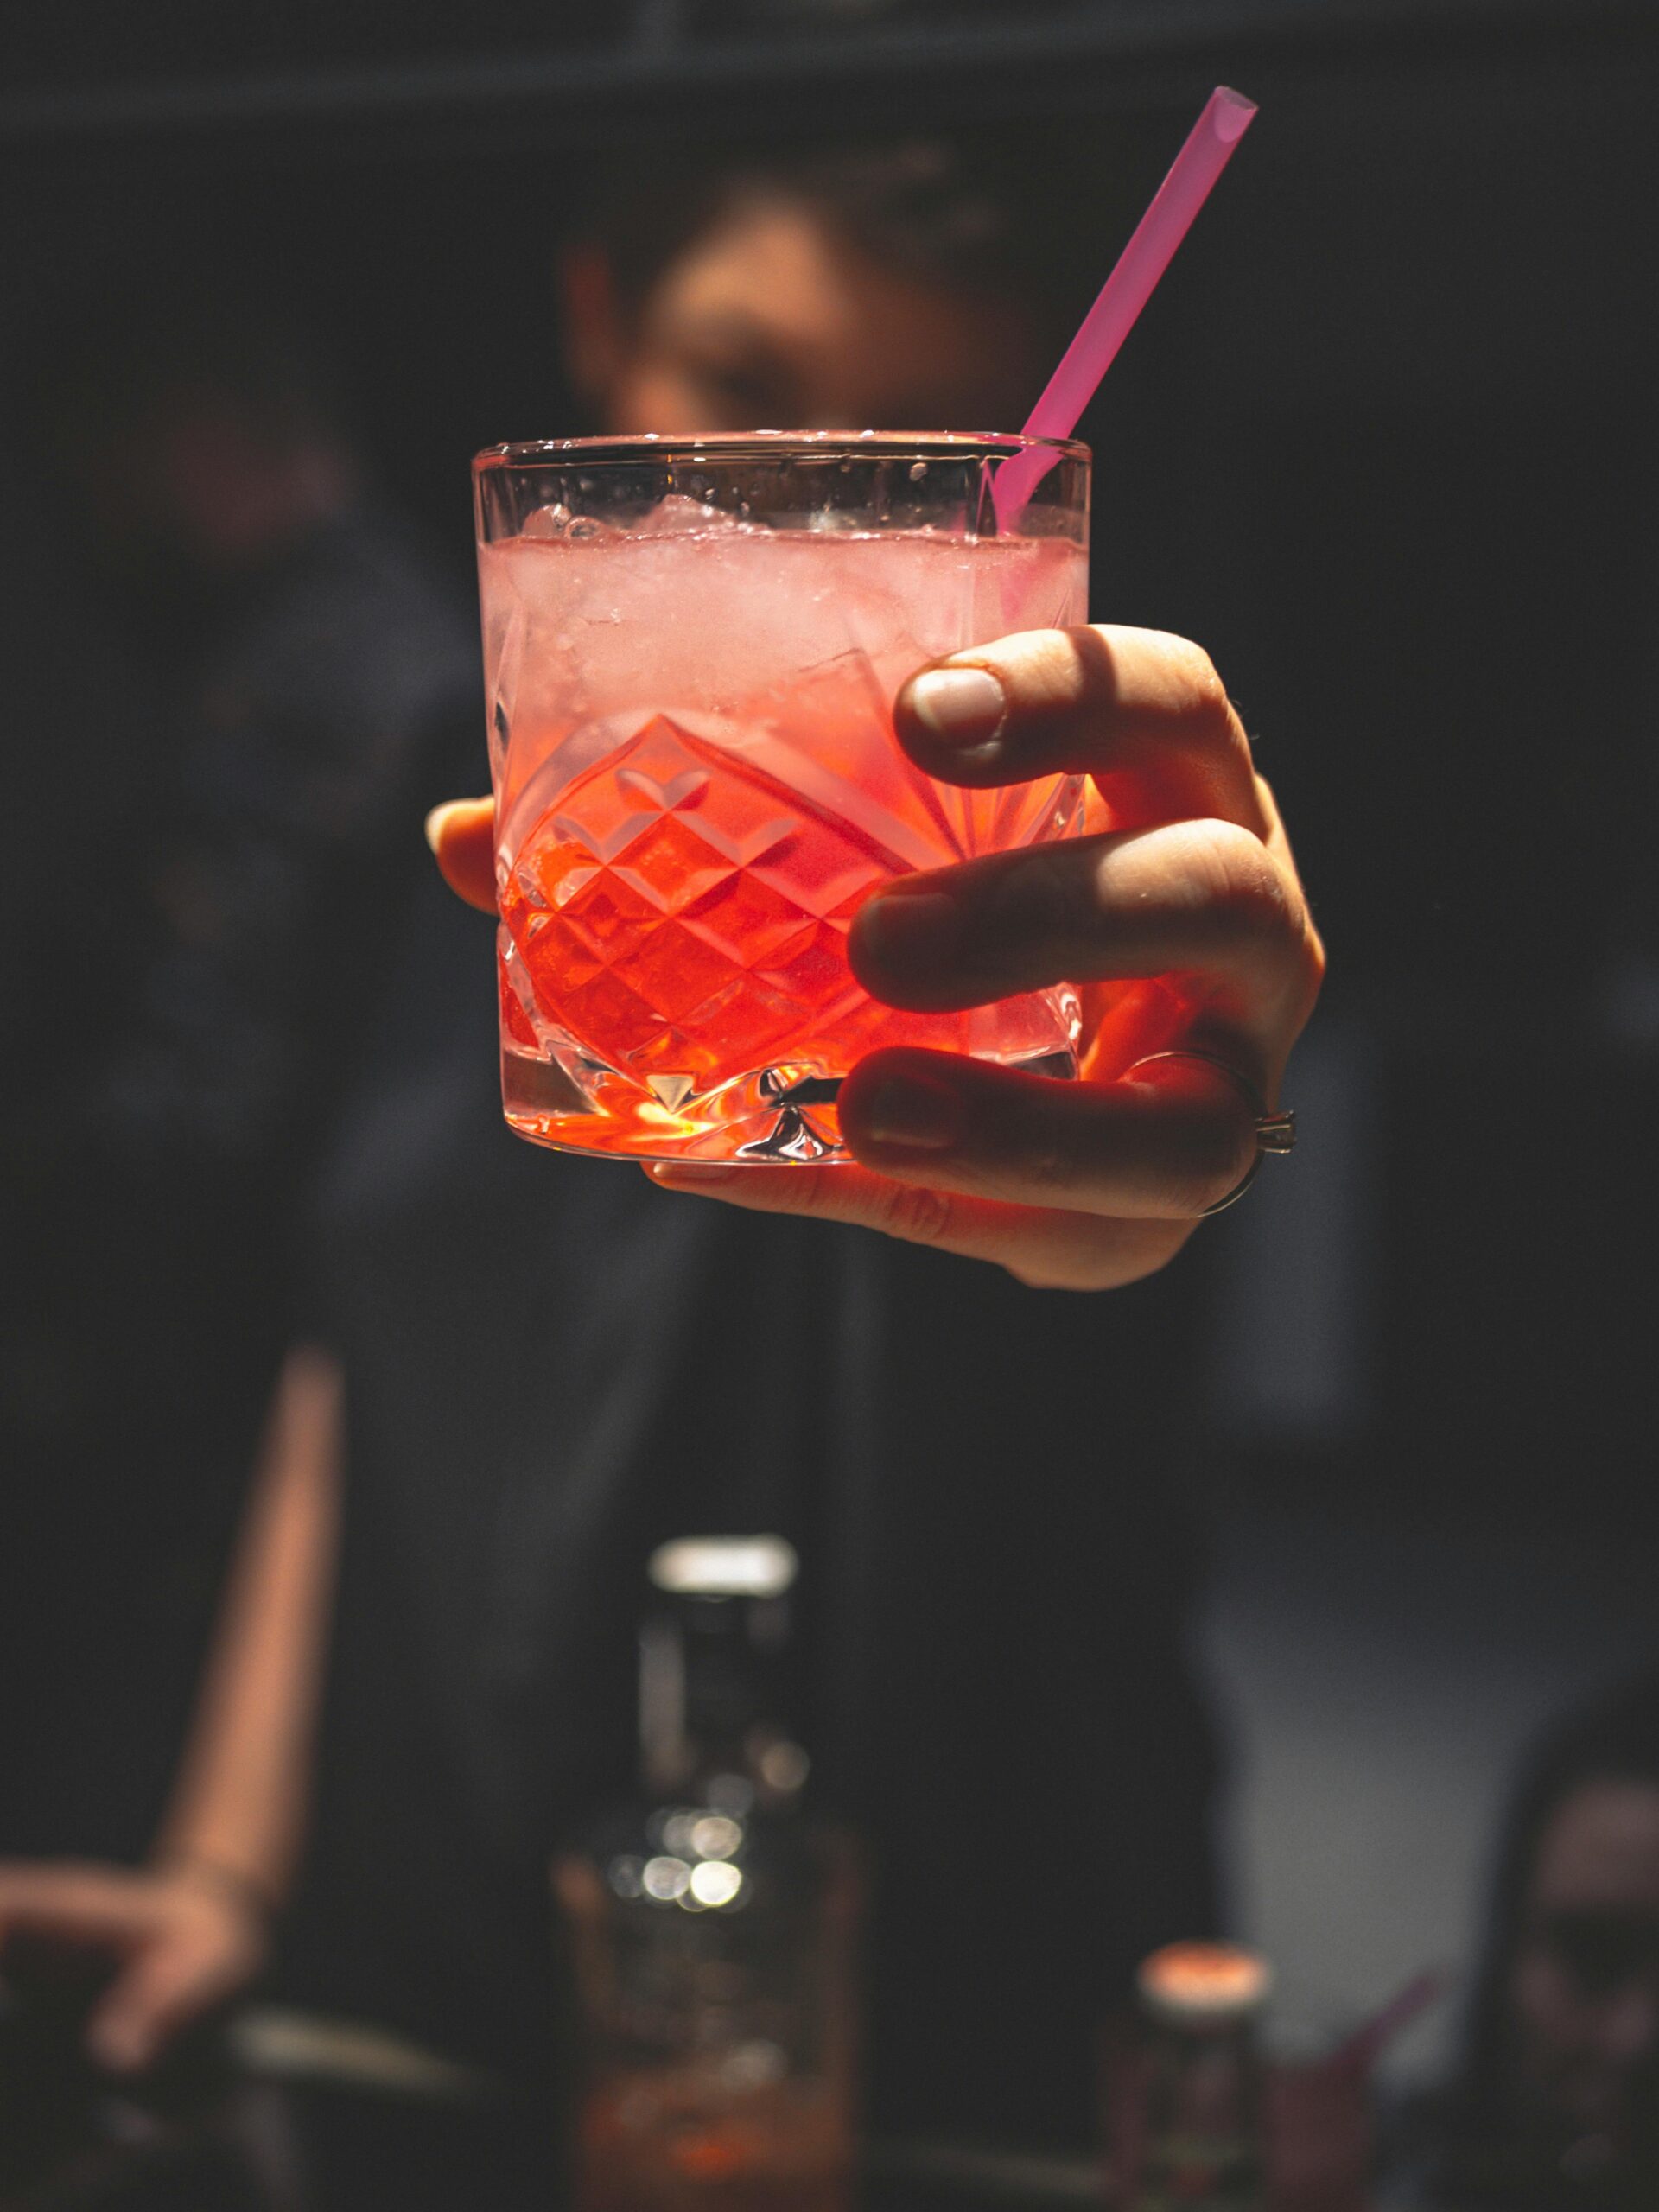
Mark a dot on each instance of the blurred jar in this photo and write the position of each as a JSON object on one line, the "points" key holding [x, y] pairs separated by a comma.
{"points": [[713, 1924], [1187, 2114], [1216, 2099]]}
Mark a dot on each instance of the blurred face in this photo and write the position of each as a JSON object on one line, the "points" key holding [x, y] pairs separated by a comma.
{"points": [[195, 487], [770, 320], [1584, 1988]]}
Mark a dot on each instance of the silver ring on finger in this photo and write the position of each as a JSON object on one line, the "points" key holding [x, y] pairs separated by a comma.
{"points": [[1274, 1132]]}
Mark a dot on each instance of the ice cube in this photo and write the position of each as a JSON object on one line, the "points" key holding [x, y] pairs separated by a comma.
{"points": [[677, 515], [557, 521]]}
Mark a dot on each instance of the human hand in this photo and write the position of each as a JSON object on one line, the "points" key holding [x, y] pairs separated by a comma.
{"points": [[1179, 915], [179, 1937]]}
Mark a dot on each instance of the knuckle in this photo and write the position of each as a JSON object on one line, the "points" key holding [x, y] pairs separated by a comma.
{"points": [[1203, 694], [818, 1194], [916, 1213], [1042, 673], [1047, 1165], [1306, 978], [1241, 885], [1053, 669]]}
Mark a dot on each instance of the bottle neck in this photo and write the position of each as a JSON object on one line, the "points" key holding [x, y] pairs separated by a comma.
{"points": [[1219, 2043], [710, 1701]]}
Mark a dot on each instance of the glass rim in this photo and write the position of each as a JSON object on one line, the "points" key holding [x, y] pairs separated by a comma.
{"points": [[761, 445]]}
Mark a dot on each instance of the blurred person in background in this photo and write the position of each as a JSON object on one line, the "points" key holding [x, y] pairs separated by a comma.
{"points": [[532, 1370], [246, 676], [1555, 2103], [312, 669]]}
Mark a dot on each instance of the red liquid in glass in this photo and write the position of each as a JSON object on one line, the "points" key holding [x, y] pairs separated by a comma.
{"points": [[676, 883]]}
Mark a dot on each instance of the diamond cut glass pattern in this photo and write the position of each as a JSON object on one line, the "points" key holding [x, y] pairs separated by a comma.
{"points": [[665, 897]]}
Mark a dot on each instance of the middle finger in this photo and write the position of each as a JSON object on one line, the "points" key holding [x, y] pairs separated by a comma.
{"points": [[1203, 898]]}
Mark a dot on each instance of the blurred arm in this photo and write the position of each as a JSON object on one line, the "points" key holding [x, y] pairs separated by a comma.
{"points": [[192, 1928], [238, 1806]]}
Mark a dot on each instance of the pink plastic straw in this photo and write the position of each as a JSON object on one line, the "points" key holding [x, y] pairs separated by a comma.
{"points": [[1362, 2050], [1227, 115]]}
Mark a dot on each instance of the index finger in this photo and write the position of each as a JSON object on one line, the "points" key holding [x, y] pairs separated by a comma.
{"points": [[1142, 712]]}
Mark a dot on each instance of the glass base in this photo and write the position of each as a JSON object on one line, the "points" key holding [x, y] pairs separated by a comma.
{"points": [[773, 1116]]}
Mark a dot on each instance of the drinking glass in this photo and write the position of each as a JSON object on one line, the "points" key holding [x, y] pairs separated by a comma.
{"points": [[691, 648]]}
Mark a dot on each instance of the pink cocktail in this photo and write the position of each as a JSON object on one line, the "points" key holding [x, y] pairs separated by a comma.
{"points": [[690, 657]]}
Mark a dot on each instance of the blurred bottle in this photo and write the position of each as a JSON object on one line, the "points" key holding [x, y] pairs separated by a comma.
{"points": [[712, 1923], [1194, 2140]]}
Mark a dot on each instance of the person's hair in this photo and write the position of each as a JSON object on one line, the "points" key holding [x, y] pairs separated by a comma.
{"points": [[998, 220], [1613, 1737]]}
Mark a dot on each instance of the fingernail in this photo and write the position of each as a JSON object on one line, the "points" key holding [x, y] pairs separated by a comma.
{"points": [[435, 822], [911, 1111], [965, 706], [670, 1172], [912, 929]]}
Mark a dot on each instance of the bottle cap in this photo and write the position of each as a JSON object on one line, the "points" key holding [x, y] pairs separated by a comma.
{"points": [[1204, 1985], [724, 1567]]}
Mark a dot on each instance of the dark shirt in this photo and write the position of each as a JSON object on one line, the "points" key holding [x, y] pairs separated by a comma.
{"points": [[222, 824], [552, 1365]]}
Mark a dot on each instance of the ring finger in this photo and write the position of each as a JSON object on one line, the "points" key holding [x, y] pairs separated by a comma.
{"points": [[1160, 1146]]}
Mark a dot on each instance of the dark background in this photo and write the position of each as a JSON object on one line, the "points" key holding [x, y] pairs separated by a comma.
{"points": [[1384, 443]]}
